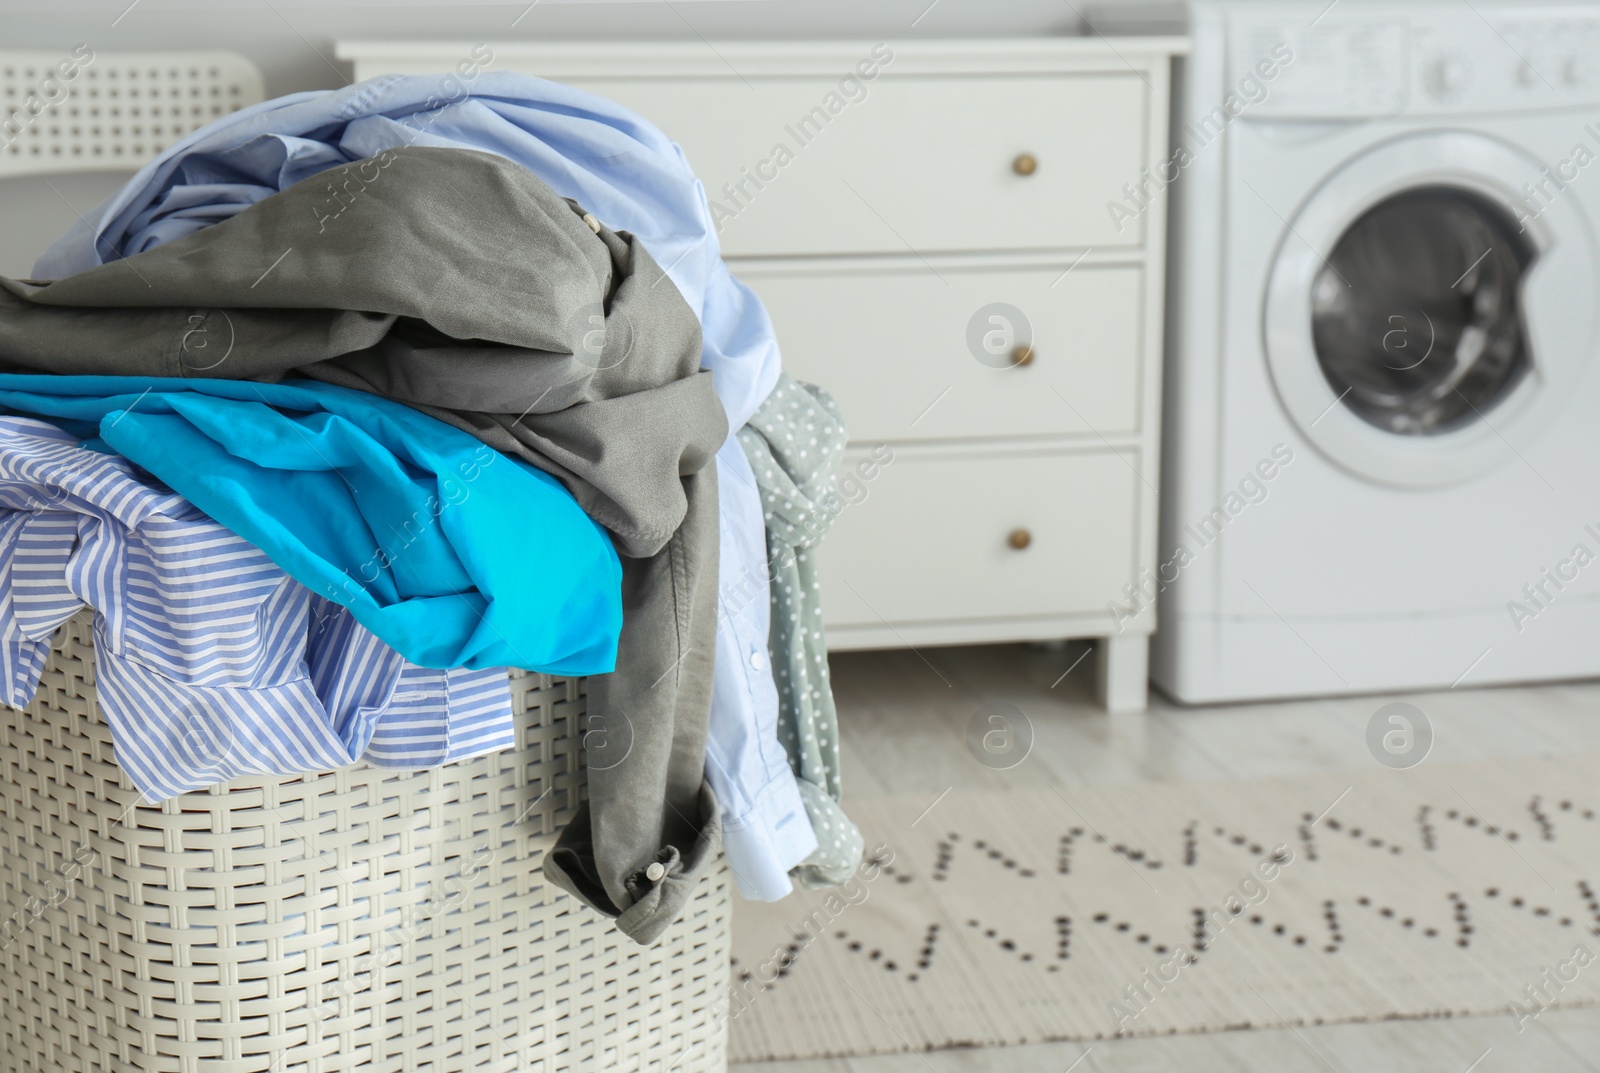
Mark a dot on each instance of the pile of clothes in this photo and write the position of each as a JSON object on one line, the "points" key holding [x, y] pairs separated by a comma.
{"points": [[353, 399]]}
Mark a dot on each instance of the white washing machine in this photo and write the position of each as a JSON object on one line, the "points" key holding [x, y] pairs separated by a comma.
{"points": [[1382, 441]]}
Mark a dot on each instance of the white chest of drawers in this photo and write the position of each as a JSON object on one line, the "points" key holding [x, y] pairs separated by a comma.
{"points": [[880, 197]]}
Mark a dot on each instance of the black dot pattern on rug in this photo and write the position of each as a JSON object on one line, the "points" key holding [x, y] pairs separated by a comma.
{"points": [[1257, 920], [791, 955], [1064, 851], [941, 864], [1007, 944], [1547, 830], [1308, 839], [1253, 848], [1002, 858], [1587, 813], [1471, 822], [872, 954], [1592, 901], [1516, 901], [946, 856], [1135, 856], [930, 943], [1405, 922], [1125, 927], [1063, 939], [1201, 930], [749, 983], [1330, 913], [1365, 838], [1463, 919], [1360, 919], [745, 976], [1425, 831]]}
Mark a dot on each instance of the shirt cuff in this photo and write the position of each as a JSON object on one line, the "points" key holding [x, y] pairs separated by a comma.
{"points": [[768, 840]]}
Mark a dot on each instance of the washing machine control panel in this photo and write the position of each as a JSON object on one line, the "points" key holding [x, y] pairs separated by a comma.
{"points": [[1387, 64]]}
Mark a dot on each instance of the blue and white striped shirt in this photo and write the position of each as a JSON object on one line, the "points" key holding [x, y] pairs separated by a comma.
{"points": [[210, 661]]}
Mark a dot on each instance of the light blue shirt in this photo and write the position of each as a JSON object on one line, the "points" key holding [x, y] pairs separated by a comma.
{"points": [[633, 178]]}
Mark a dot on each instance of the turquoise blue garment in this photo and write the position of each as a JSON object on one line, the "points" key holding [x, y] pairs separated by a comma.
{"points": [[452, 553]]}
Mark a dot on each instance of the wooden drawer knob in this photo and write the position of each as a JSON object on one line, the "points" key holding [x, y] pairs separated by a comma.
{"points": [[1019, 538], [1025, 164], [1022, 355]]}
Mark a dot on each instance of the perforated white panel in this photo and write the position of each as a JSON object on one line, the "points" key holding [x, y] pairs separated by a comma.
{"points": [[83, 110]]}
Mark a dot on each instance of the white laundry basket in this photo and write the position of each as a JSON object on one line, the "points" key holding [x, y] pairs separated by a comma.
{"points": [[359, 919]]}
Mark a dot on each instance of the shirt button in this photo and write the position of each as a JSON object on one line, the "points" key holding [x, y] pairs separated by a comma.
{"points": [[594, 225], [655, 872], [757, 660]]}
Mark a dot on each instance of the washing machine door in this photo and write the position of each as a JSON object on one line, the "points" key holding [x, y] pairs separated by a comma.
{"points": [[1423, 321]]}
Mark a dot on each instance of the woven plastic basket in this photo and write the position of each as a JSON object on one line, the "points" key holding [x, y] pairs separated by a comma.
{"points": [[360, 919]]}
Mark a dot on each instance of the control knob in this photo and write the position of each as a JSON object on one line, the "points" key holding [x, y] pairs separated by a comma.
{"points": [[1445, 76]]}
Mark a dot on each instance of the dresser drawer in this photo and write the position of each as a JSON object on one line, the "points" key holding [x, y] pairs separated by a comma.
{"points": [[895, 348], [928, 537], [918, 164]]}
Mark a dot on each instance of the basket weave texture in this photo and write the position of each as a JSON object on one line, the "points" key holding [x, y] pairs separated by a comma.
{"points": [[360, 919]]}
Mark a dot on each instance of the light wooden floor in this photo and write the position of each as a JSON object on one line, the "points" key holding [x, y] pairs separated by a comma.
{"points": [[904, 716]]}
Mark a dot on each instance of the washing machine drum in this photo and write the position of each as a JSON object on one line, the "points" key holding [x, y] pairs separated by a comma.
{"points": [[1415, 316], [1421, 326]]}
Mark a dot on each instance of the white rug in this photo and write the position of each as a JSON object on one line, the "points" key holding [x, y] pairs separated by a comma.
{"points": [[1008, 918]]}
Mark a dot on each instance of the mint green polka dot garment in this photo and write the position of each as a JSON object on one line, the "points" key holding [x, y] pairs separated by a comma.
{"points": [[794, 443]]}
